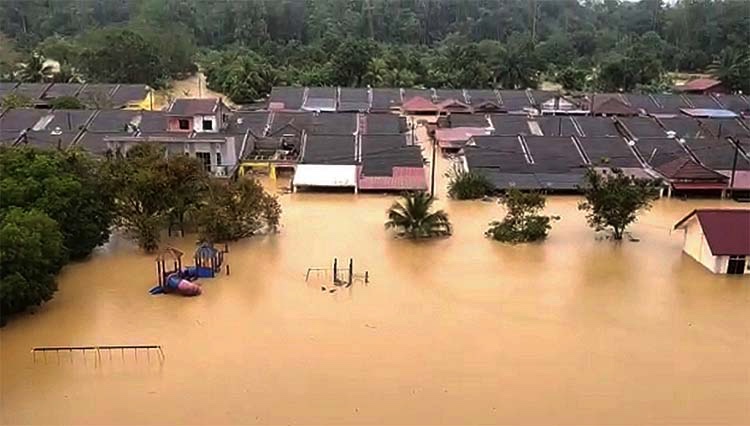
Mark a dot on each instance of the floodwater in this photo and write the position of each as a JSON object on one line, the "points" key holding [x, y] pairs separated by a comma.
{"points": [[462, 330], [575, 330]]}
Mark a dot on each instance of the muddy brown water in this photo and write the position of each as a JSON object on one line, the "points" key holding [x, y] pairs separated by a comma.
{"points": [[462, 330]]}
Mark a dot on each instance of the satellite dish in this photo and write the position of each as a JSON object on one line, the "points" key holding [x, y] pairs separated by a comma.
{"points": [[671, 133], [631, 143], [57, 131]]}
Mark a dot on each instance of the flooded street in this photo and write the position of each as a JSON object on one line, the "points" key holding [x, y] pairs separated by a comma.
{"points": [[460, 330]]}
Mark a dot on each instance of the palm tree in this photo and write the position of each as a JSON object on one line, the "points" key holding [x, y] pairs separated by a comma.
{"points": [[731, 68], [411, 217], [35, 69]]}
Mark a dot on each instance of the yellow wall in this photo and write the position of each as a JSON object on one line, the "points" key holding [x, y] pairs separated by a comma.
{"points": [[145, 103]]}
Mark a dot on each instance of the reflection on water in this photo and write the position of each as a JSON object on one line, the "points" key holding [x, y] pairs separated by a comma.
{"points": [[459, 330]]}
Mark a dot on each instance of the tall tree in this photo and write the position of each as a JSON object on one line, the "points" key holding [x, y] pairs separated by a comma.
{"points": [[123, 56]]}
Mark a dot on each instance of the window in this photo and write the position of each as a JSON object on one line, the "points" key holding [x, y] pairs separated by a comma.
{"points": [[184, 124], [736, 265], [218, 158], [208, 124], [205, 158]]}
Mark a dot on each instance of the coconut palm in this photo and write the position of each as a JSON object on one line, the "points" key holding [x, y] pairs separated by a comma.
{"points": [[731, 68], [35, 69], [411, 217]]}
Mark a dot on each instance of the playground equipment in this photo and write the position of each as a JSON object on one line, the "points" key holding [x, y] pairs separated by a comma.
{"points": [[175, 280], [340, 278], [97, 350], [208, 261]]}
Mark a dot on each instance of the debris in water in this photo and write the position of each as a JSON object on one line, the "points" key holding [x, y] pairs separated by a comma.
{"points": [[333, 290], [322, 289], [370, 326]]}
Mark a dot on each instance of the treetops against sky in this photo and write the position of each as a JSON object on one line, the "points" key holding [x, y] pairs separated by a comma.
{"points": [[245, 47]]}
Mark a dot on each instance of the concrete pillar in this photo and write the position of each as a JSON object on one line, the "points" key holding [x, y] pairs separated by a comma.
{"points": [[213, 156]]}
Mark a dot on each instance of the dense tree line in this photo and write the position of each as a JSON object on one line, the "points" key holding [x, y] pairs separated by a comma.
{"points": [[248, 46], [58, 206]]}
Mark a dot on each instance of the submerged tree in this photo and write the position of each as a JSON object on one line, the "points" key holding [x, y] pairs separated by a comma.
{"points": [[412, 217], [232, 211], [31, 253], [142, 193], [522, 222], [465, 185], [66, 186], [614, 199]]}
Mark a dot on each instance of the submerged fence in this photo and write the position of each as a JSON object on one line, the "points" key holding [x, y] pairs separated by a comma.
{"points": [[147, 351]]}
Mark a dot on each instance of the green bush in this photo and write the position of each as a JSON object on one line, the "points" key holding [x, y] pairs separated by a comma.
{"points": [[465, 185]]}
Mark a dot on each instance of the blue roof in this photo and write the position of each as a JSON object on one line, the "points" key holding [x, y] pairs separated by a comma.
{"points": [[709, 112]]}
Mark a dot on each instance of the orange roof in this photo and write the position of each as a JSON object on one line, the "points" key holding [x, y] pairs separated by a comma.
{"points": [[700, 84], [418, 104]]}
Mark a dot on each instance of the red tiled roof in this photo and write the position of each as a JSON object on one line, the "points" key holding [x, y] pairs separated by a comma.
{"points": [[448, 137], [610, 105], [700, 84], [419, 104], [684, 168], [453, 105], [727, 230], [402, 179]]}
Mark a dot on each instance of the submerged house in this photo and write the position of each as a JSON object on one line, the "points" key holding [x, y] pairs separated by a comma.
{"points": [[719, 239]]}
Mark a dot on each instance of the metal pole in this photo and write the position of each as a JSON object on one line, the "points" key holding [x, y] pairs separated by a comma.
{"points": [[351, 270], [734, 167], [432, 180], [335, 266]]}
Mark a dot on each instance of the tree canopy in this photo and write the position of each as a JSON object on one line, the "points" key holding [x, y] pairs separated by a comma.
{"points": [[55, 206], [246, 47], [613, 199]]}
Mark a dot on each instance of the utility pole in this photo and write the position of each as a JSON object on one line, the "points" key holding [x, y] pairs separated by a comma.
{"points": [[734, 166], [434, 156], [532, 4]]}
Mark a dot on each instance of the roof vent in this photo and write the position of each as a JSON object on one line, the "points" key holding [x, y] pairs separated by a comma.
{"points": [[631, 143], [57, 131], [239, 120], [681, 140]]}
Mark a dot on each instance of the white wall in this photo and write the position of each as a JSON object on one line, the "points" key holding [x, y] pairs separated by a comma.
{"points": [[696, 246], [198, 123]]}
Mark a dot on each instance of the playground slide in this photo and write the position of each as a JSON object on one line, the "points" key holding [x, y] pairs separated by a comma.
{"points": [[176, 284]]}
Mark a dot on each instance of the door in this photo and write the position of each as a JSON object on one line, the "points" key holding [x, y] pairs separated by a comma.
{"points": [[736, 265]]}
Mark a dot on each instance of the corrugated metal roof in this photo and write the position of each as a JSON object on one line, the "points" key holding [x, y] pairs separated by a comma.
{"points": [[402, 179]]}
